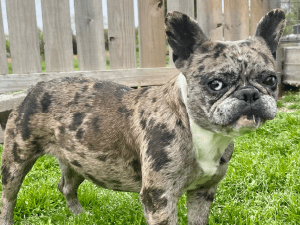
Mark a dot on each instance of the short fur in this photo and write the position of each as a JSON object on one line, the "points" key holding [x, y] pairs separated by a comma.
{"points": [[157, 141]]}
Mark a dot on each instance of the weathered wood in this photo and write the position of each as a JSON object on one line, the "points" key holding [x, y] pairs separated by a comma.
{"points": [[3, 59], [152, 37], [89, 35], [236, 13], [121, 34], [57, 35], [23, 36], [186, 7], [209, 17], [129, 77], [258, 9]]}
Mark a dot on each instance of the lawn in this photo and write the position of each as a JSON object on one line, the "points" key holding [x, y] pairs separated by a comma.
{"points": [[262, 185]]}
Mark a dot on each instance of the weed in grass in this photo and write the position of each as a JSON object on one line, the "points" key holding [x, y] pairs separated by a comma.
{"points": [[262, 186]]}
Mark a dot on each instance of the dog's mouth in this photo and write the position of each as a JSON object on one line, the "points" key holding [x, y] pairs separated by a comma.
{"points": [[247, 123]]}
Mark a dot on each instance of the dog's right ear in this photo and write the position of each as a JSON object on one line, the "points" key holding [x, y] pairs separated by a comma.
{"points": [[183, 34]]}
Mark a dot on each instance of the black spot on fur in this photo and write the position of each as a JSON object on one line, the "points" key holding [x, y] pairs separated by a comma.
{"points": [[95, 181], [95, 123], [143, 123], [142, 113], [16, 153], [84, 88], [265, 57], [153, 100], [77, 121], [219, 48], [222, 160], [153, 200], [79, 133], [136, 165], [209, 197], [204, 49], [62, 129], [5, 174], [46, 102], [159, 138], [76, 98], [98, 85], [27, 109], [83, 80], [245, 64], [76, 163], [201, 68], [37, 144], [102, 158], [151, 122], [179, 123], [123, 110]]}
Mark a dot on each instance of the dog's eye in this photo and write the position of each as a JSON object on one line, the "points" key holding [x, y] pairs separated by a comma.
{"points": [[270, 81], [216, 85]]}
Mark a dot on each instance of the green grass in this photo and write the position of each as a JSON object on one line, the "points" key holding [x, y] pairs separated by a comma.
{"points": [[262, 186], [290, 100]]}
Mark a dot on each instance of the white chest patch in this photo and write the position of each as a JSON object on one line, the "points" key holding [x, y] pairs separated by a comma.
{"points": [[209, 147]]}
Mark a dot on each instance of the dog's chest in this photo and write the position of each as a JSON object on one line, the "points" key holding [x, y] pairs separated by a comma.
{"points": [[209, 148]]}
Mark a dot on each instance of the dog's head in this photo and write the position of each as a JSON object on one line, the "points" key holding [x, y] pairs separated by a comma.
{"points": [[232, 87]]}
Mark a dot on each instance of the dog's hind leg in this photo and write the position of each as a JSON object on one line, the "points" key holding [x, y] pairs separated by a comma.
{"points": [[68, 185], [14, 167]]}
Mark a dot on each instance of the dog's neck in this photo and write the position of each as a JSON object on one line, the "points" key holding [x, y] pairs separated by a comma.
{"points": [[209, 146]]}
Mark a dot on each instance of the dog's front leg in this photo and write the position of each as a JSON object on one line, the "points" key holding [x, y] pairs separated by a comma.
{"points": [[198, 205], [160, 205]]}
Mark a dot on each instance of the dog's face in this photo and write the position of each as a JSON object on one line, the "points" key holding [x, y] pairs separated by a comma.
{"points": [[232, 87]]}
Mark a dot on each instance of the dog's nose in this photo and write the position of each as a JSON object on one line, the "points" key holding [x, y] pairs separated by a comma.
{"points": [[249, 95]]}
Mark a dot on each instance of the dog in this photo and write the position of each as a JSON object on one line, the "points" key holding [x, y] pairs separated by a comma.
{"points": [[158, 141]]}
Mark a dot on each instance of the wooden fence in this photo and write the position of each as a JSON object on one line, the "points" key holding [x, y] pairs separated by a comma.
{"points": [[24, 41]]}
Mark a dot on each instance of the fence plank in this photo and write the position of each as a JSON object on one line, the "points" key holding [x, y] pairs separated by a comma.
{"points": [[89, 35], [209, 17], [57, 35], [258, 9], [121, 34], [186, 7], [23, 36], [3, 59], [236, 13], [152, 36], [129, 77]]}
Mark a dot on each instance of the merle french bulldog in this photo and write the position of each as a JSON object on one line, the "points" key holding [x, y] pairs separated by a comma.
{"points": [[157, 141]]}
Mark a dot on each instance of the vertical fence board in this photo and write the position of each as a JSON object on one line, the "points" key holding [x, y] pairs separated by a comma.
{"points": [[3, 59], [89, 35], [152, 36], [209, 17], [57, 35], [186, 7], [236, 13], [23, 36], [121, 34], [258, 9]]}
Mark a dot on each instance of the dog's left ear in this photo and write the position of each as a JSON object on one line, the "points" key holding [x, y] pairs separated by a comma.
{"points": [[270, 28], [183, 34]]}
